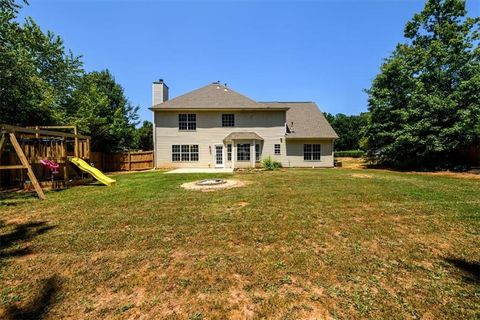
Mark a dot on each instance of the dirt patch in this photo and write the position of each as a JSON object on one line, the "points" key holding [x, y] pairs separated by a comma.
{"points": [[352, 163], [360, 163], [229, 184], [464, 175], [242, 307], [242, 204], [361, 175]]}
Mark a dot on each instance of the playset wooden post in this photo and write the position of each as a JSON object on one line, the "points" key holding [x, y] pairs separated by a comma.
{"points": [[3, 141], [27, 166]]}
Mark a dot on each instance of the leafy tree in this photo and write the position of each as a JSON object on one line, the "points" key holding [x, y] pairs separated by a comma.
{"points": [[36, 72], [145, 136], [349, 129], [330, 118], [99, 108], [42, 84], [425, 103]]}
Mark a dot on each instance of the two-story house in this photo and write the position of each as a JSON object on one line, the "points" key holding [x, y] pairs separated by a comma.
{"points": [[216, 127]]}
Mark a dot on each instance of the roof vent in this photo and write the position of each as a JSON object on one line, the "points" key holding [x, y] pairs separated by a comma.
{"points": [[225, 85]]}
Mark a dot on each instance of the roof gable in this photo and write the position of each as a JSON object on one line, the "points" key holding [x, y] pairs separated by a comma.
{"points": [[305, 120]]}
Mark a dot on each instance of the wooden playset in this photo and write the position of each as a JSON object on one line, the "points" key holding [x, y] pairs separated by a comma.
{"points": [[50, 157]]}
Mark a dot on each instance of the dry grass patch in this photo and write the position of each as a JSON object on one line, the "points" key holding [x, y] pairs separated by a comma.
{"points": [[296, 244], [361, 175]]}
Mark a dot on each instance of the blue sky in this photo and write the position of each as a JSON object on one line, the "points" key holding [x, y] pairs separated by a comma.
{"points": [[322, 51]]}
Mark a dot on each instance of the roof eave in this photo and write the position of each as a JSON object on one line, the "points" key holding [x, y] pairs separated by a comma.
{"points": [[309, 137], [217, 109]]}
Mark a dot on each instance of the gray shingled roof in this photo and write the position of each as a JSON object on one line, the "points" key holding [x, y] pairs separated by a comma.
{"points": [[242, 136], [212, 96], [308, 121]]}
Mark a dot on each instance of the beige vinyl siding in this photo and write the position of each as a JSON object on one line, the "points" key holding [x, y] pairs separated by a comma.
{"points": [[270, 125], [294, 156]]}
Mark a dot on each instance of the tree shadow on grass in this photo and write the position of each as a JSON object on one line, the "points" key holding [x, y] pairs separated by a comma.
{"points": [[13, 198], [11, 241], [13, 244], [40, 304], [470, 270]]}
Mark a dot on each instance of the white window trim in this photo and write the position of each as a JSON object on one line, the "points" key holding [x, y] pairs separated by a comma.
{"points": [[229, 152], [228, 114], [312, 160], [187, 122], [249, 152], [279, 149], [180, 153]]}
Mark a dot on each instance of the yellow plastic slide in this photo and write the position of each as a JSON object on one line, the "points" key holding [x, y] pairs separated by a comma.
{"points": [[97, 174]]}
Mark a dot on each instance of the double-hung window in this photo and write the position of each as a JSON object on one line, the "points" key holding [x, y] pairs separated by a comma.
{"points": [[229, 152], [277, 149], [228, 120], [194, 152], [184, 152], [176, 153], [187, 122], [257, 152], [312, 152], [243, 152]]}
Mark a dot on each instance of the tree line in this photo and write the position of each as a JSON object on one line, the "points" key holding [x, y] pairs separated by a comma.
{"points": [[424, 105], [42, 83], [349, 128]]}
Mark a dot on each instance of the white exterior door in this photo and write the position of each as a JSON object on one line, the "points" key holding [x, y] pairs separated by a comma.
{"points": [[219, 163]]}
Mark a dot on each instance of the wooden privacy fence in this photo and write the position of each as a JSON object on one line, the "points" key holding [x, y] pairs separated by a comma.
{"points": [[126, 161], [472, 155]]}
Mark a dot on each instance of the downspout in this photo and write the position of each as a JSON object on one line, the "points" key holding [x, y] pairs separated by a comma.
{"points": [[233, 154], [333, 152], [254, 158]]}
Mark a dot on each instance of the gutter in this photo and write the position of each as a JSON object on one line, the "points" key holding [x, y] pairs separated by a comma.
{"points": [[217, 109]]}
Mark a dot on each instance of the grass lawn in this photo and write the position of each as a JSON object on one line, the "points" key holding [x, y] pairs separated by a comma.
{"points": [[314, 244]]}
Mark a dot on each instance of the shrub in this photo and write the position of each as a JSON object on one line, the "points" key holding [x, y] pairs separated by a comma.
{"points": [[350, 153], [270, 164]]}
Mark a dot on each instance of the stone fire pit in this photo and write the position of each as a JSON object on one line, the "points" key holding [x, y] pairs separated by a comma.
{"points": [[213, 184]]}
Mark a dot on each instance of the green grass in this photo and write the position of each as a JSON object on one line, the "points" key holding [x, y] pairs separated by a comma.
{"points": [[291, 244]]}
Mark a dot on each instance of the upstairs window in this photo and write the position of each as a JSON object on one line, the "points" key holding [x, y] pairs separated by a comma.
{"points": [[187, 122], [277, 149], [228, 120], [312, 152]]}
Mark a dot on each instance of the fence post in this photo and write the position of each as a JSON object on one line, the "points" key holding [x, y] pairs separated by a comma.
{"points": [[129, 161]]}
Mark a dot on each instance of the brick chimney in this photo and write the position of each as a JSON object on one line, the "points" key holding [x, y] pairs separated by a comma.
{"points": [[159, 92]]}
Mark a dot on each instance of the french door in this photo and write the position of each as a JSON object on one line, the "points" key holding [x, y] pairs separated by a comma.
{"points": [[219, 156]]}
